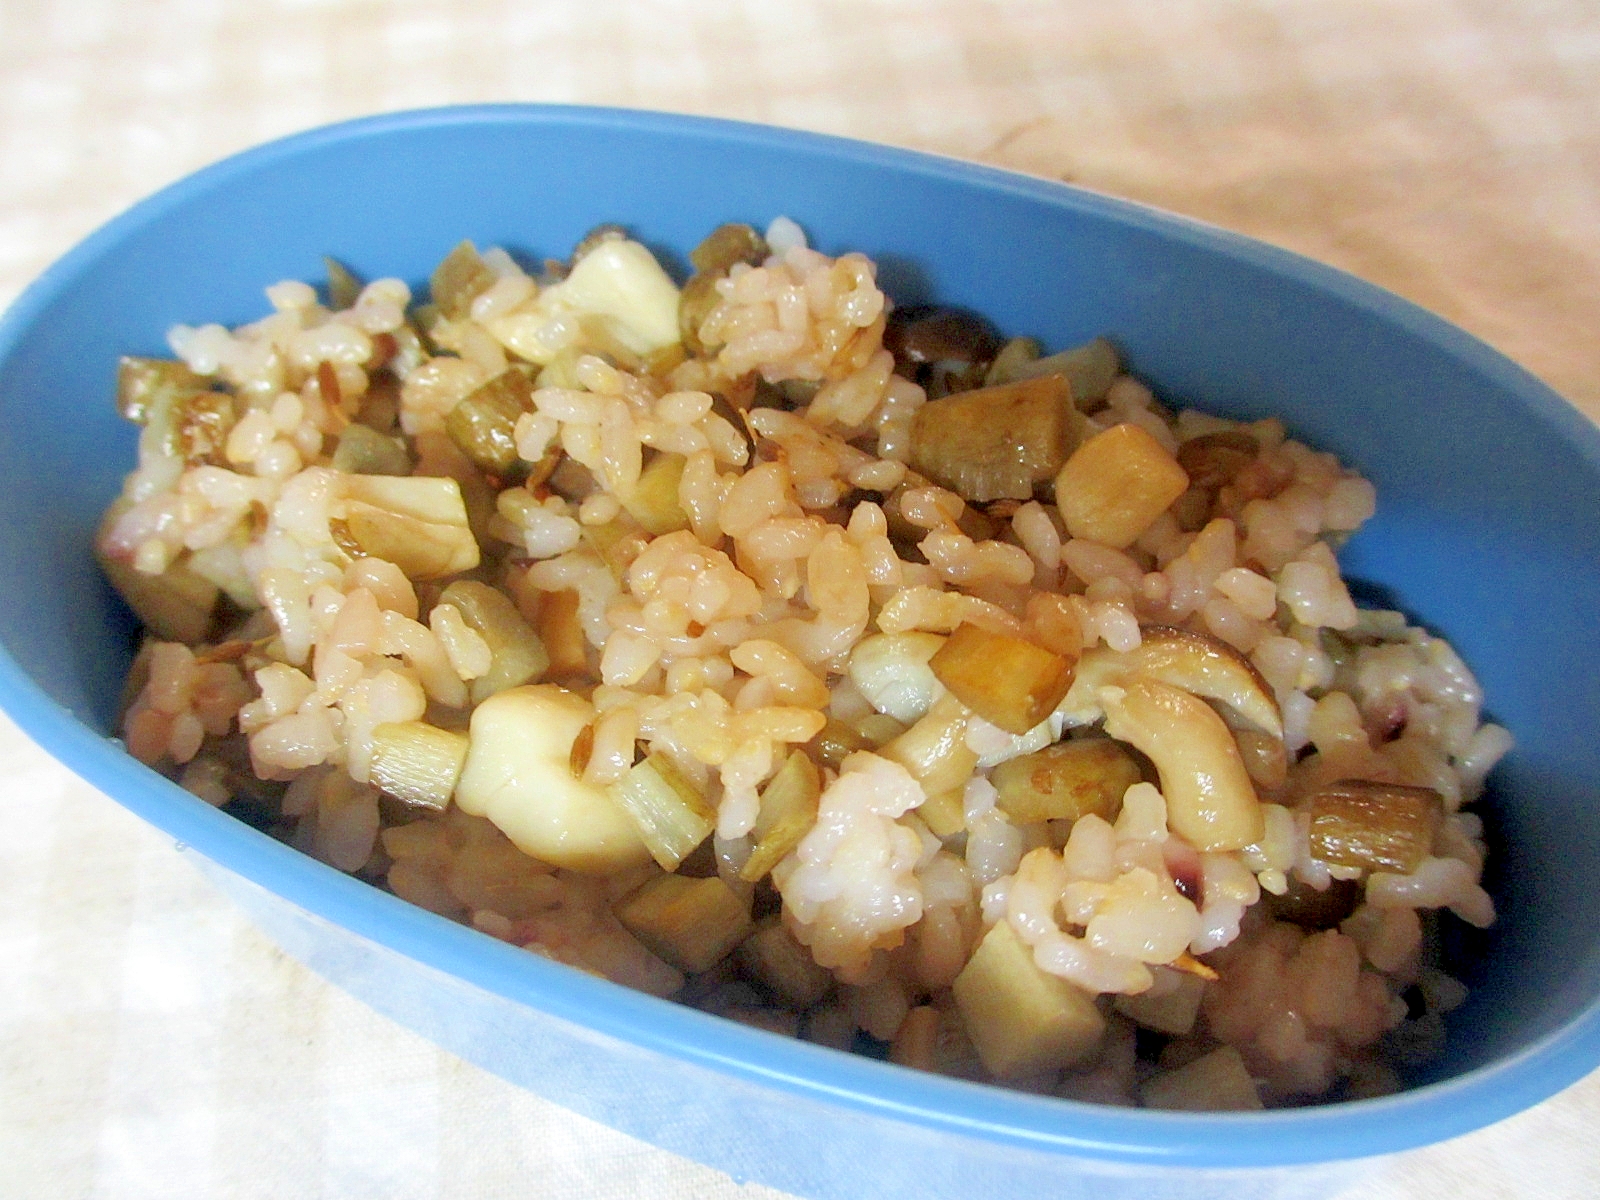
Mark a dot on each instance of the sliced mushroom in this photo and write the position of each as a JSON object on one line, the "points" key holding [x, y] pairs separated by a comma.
{"points": [[1211, 802], [1196, 662], [944, 349]]}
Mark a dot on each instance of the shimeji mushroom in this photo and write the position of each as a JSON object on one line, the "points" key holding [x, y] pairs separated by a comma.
{"points": [[1211, 802]]}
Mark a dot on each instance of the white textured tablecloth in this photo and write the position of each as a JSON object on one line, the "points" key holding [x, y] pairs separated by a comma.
{"points": [[151, 1043]]}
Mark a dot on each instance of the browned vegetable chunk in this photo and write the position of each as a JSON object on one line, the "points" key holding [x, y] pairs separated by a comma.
{"points": [[362, 450], [1065, 781], [723, 247], [788, 811], [654, 499], [997, 443], [517, 656], [1116, 484], [459, 280], [484, 423], [773, 957], [835, 743], [178, 408], [1007, 681], [1021, 1020], [1376, 826], [1219, 1082], [343, 286], [176, 606], [1089, 369], [692, 923], [562, 634]]}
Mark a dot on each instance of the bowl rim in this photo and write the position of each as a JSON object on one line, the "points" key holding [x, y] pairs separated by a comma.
{"points": [[1283, 1137]]}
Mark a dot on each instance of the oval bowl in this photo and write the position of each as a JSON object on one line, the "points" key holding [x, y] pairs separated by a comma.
{"points": [[1488, 483]]}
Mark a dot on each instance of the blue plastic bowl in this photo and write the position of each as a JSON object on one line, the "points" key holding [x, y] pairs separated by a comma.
{"points": [[1487, 529]]}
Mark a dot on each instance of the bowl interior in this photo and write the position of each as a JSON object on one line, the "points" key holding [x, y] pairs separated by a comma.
{"points": [[1487, 483]]}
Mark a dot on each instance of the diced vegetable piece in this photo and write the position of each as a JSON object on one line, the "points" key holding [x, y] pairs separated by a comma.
{"points": [[362, 450], [1374, 826], [343, 287], [617, 543], [1170, 1007], [1211, 802], [672, 815], [699, 297], [417, 762], [891, 670], [484, 423], [459, 280], [998, 442], [1089, 369], [935, 749], [1006, 680], [1007, 364], [775, 960], [175, 606], [713, 258], [177, 407], [145, 385], [417, 522], [1065, 781], [653, 502], [692, 923], [1218, 1082], [1023, 1020], [788, 811], [518, 775], [380, 403], [1116, 484], [516, 653], [835, 743]]}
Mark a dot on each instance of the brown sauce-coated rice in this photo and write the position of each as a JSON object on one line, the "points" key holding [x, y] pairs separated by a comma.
{"points": [[713, 536]]}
